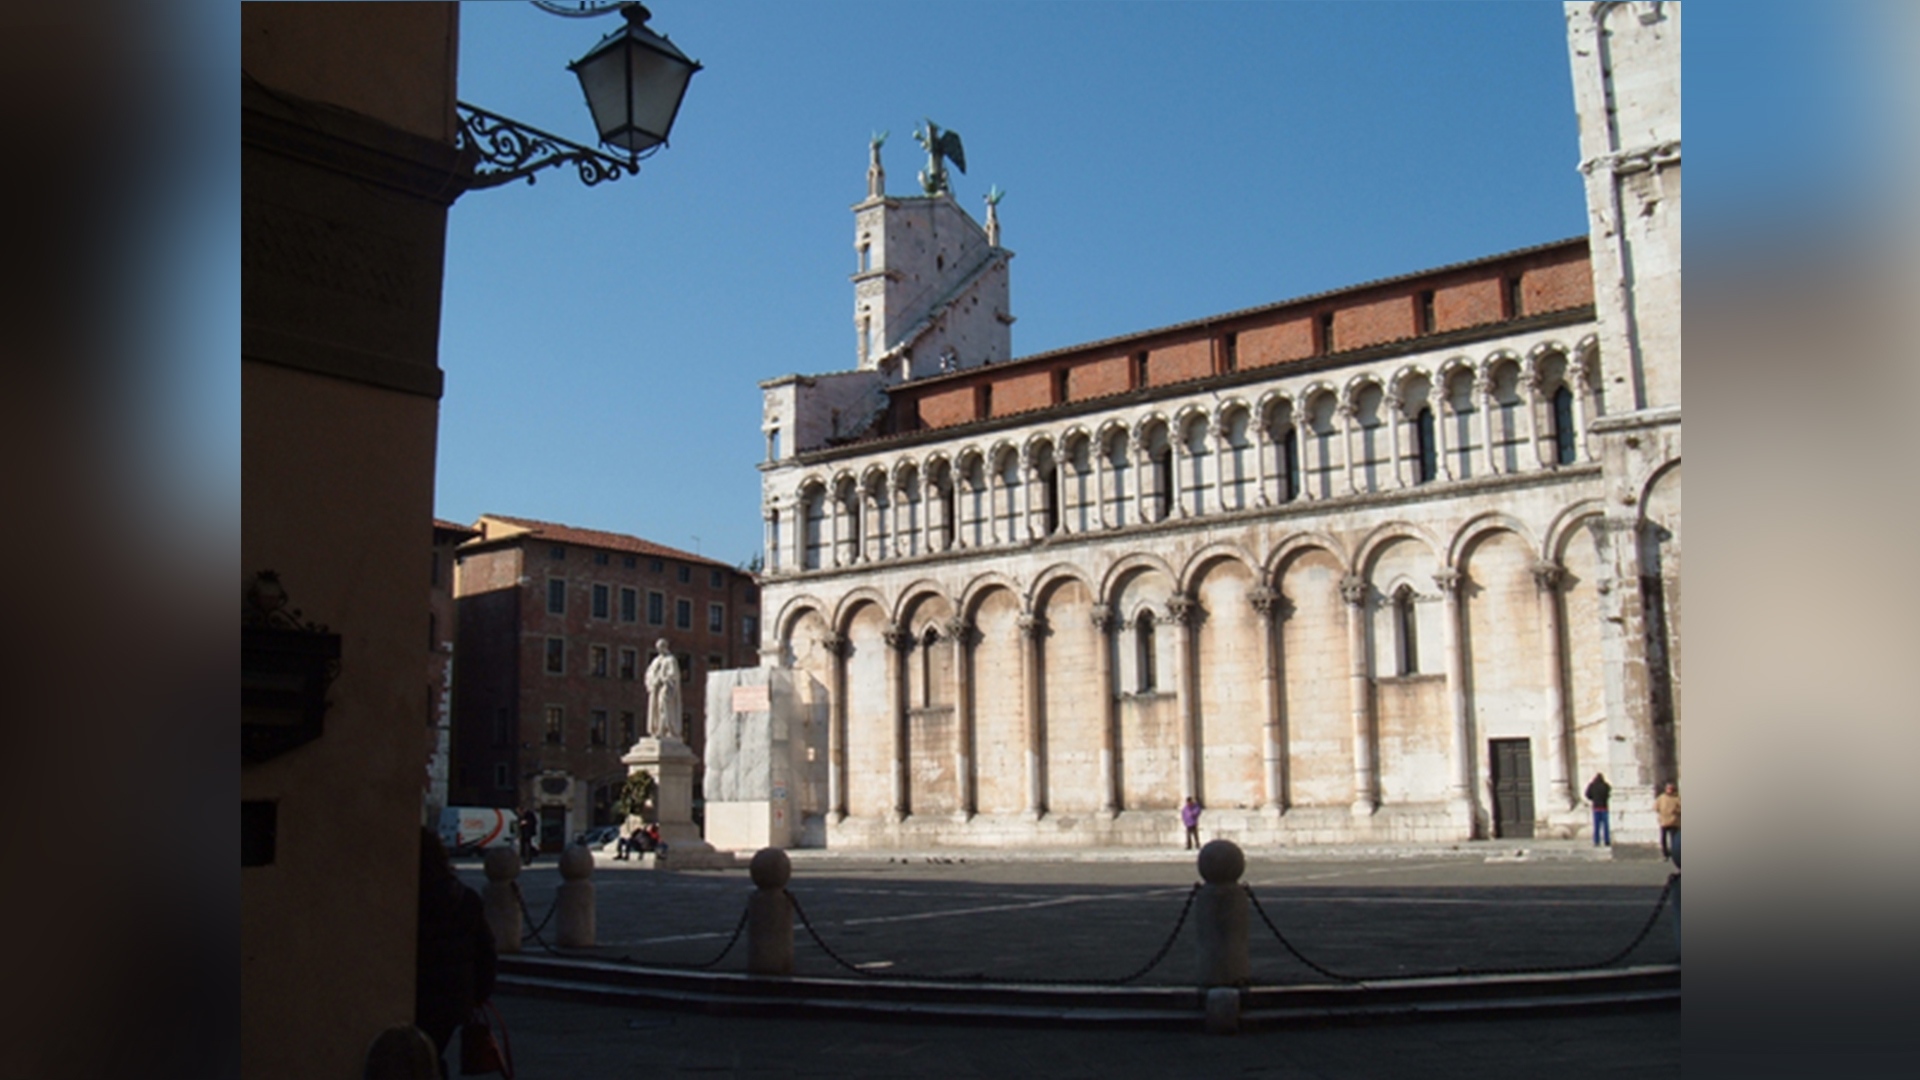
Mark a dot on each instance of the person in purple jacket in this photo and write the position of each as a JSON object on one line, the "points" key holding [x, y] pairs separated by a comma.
{"points": [[1190, 817]]}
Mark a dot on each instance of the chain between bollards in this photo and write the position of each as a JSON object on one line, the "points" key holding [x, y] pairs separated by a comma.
{"points": [[1646, 928]]}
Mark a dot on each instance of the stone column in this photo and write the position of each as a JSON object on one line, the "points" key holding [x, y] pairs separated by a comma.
{"points": [[1033, 696], [1355, 591], [836, 509], [1460, 786], [1397, 410], [1271, 607], [1182, 470], [837, 646], [1103, 624], [1143, 471], [960, 631], [1217, 432], [1037, 500], [769, 516], [899, 643], [1549, 577], [1098, 453], [1347, 421], [1308, 443], [1532, 417], [962, 495], [872, 527], [1483, 389], [1271, 446], [1181, 610], [1443, 420]]}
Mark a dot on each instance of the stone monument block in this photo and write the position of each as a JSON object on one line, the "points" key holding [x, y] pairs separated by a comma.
{"points": [[749, 762]]}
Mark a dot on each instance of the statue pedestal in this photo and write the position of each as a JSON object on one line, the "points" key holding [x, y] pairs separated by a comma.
{"points": [[671, 765]]}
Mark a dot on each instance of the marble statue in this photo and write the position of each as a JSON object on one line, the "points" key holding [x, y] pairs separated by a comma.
{"points": [[663, 693]]}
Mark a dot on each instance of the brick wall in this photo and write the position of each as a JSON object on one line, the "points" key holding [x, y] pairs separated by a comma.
{"points": [[1555, 279]]}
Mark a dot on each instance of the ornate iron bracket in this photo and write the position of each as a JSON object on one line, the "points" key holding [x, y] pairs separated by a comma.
{"points": [[501, 150]]}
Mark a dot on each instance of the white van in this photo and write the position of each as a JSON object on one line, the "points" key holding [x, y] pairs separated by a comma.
{"points": [[466, 830]]}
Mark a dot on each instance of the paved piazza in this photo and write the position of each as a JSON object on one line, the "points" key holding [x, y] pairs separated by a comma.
{"points": [[1032, 917]]}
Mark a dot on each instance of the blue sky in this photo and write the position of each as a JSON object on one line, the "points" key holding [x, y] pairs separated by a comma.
{"points": [[1162, 162]]}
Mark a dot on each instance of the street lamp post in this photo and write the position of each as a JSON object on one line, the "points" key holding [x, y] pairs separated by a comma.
{"points": [[634, 81]]}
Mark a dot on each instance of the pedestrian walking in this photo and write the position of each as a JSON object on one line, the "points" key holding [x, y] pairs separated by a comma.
{"points": [[1190, 817], [1666, 807], [529, 835], [1598, 794]]}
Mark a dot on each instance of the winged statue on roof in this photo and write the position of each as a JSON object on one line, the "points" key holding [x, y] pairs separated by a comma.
{"points": [[940, 144]]}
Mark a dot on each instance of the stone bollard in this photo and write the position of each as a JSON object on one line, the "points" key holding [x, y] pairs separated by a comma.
{"points": [[1220, 917], [770, 914], [573, 921], [503, 899]]}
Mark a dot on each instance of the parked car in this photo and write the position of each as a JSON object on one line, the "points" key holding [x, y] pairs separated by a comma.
{"points": [[598, 836]]}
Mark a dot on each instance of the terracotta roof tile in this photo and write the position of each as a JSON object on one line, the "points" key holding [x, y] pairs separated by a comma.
{"points": [[553, 532]]}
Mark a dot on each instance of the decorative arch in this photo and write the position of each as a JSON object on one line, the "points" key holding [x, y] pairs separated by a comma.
{"points": [[917, 590], [1302, 541], [1387, 533], [845, 608], [1481, 524], [791, 612], [1350, 393], [1128, 565], [1053, 576], [1569, 521], [1213, 553], [984, 583]]}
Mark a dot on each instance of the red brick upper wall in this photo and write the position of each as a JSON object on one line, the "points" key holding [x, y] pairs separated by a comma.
{"points": [[1553, 278], [1180, 363]]}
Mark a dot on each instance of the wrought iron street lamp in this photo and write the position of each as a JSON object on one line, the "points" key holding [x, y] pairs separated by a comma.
{"points": [[634, 81]]}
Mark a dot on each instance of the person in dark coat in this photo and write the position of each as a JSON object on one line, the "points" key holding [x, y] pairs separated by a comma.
{"points": [[455, 962], [1598, 792]]}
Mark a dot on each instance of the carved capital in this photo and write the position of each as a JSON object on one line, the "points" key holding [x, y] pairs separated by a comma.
{"points": [[1265, 600], [837, 645], [1032, 625], [1549, 576], [1182, 609], [1448, 581], [897, 637], [1354, 590], [960, 630], [1103, 618]]}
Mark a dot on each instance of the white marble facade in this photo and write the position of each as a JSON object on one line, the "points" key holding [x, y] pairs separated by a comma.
{"points": [[1338, 599]]}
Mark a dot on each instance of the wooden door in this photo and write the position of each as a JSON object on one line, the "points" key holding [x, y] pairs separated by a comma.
{"points": [[1512, 788]]}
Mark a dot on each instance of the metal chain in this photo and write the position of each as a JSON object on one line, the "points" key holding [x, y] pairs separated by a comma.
{"points": [[1645, 929], [737, 928], [824, 947], [1166, 945]]}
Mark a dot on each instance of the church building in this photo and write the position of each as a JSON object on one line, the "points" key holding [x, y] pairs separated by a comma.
{"points": [[1395, 562]]}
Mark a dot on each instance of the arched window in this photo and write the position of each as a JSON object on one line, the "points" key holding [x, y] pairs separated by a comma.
{"points": [[1146, 677], [928, 640], [1235, 467], [1119, 470], [1289, 445], [1325, 434], [1505, 417], [974, 502], [1565, 449], [1011, 496], [813, 542], [1461, 445], [1369, 418], [1194, 497], [1160, 454], [1406, 625], [1426, 451]]}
